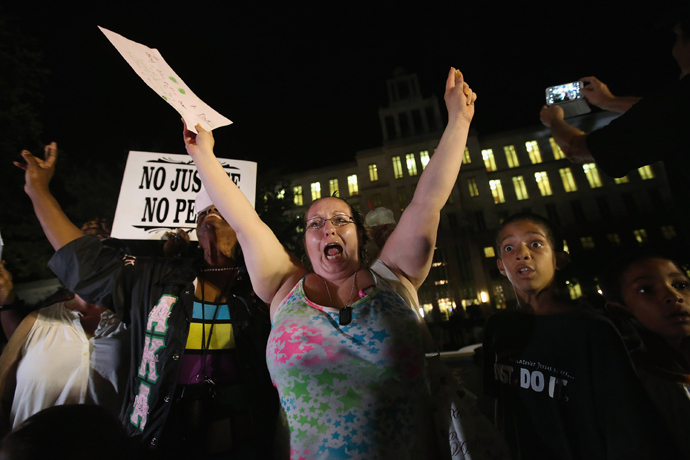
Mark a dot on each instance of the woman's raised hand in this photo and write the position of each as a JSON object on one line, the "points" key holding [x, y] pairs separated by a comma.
{"points": [[196, 143], [459, 96]]}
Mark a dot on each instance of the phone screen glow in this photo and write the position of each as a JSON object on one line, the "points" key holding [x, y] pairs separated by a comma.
{"points": [[563, 93]]}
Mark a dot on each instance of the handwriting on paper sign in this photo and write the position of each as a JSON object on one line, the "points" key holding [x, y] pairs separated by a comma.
{"points": [[159, 76], [169, 88]]}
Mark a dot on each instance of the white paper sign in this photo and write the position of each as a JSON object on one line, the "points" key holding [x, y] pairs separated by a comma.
{"points": [[152, 68], [158, 192]]}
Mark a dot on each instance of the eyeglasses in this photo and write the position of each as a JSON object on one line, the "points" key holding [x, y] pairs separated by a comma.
{"points": [[316, 223]]}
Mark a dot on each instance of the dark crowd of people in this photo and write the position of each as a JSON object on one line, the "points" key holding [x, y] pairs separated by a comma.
{"points": [[246, 352]]}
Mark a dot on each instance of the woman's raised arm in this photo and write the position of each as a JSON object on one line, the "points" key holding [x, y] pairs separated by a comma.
{"points": [[270, 266], [410, 248]]}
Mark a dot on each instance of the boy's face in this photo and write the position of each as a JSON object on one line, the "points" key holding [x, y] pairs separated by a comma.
{"points": [[526, 256], [657, 293]]}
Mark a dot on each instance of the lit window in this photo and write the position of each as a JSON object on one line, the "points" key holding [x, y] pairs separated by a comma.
{"points": [[520, 189], [352, 186], [614, 239], [411, 164], [646, 172], [484, 296], [533, 150], [640, 235], [592, 175], [569, 184], [511, 156], [587, 242], [557, 152], [466, 157], [297, 192], [497, 191], [574, 290], [668, 231], [565, 246], [424, 158], [315, 191], [472, 184], [489, 252], [621, 180], [333, 187], [281, 194], [543, 183], [446, 305], [489, 162], [397, 168], [373, 173]]}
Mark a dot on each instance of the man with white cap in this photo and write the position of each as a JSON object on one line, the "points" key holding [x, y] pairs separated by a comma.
{"points": [[198, 384]]}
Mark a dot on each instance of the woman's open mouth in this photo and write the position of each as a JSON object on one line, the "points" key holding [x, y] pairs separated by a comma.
{"points": [[333, 251]]}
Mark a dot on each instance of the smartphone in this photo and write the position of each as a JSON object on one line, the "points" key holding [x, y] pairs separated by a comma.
{"points": [[564, 93]]}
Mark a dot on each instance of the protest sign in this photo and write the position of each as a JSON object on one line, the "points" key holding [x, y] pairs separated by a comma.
{"points": [[158, 192], [152, 68]]}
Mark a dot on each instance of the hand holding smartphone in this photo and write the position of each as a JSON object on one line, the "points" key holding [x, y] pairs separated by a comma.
{"points": [[569, 97]]}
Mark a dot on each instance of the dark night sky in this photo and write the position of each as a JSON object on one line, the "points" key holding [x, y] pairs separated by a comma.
{"points": [[303, 81]]}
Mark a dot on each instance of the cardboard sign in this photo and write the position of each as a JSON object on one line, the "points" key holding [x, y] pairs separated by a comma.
{"points": [[152, 68], [158, 192]]}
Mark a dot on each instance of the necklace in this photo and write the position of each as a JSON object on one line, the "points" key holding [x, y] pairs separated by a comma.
{"points": [[206, 343], [221, 269], [345, 313]]}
